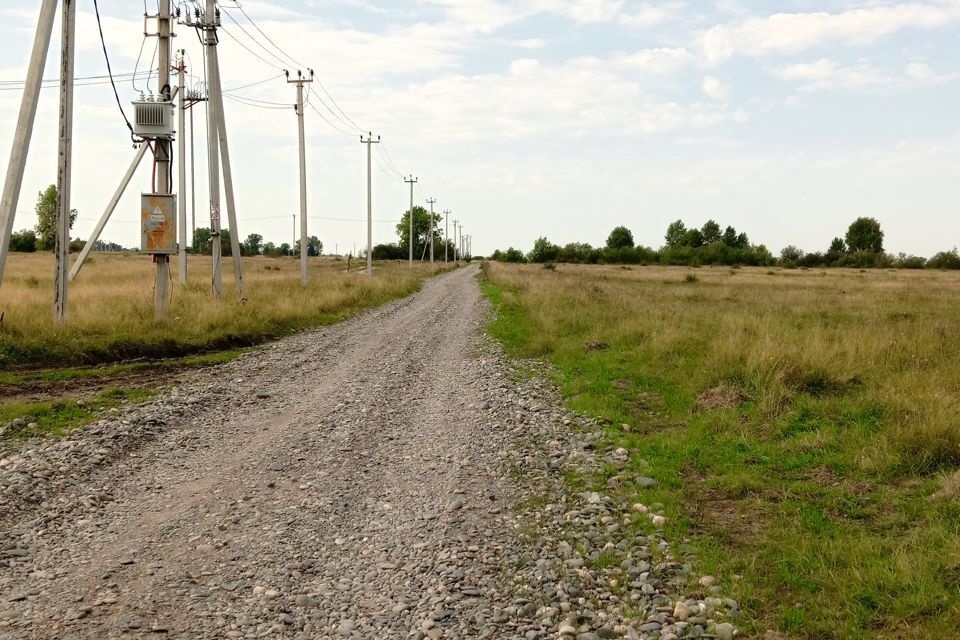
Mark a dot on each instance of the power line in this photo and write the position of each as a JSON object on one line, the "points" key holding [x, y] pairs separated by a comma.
{"points": [[106, 57], [250, 51], [258, 43], [253, 84], [324, 118]]}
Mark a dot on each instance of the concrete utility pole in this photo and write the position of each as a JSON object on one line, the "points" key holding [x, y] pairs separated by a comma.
{"points": [[209, 26], [182, 170], [446, 235], [161, 290], [456, 256], [24, 131], [64, 169], [369, 142], [432, 202], [193, 184], [411, 181], [293, 243], [304, 265]]}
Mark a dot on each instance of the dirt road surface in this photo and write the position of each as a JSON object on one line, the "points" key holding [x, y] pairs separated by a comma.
{"points": [[357, 481]]}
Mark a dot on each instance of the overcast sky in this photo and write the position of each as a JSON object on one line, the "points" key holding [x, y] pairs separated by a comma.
{"points": [[561, 118]]}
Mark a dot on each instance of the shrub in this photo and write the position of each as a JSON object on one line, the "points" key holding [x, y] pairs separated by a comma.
{"points": [[945, 260], [24, 241]]}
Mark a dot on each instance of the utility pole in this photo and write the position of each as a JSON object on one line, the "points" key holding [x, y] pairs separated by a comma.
{"points": [[24, 131], [182, 170], [193, 184], [161, 289], [456, 256], [369, 142], [411, 181], [209, 27], [432, 202], [293, 243], [64, 169], [304, 265], [446, 235]]}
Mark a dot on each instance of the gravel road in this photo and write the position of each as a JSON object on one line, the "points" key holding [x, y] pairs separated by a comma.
{"points": [[355, 481]]}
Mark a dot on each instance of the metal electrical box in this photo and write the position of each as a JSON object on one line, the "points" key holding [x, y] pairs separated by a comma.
{"points": [[158, 223], [153, 119]]}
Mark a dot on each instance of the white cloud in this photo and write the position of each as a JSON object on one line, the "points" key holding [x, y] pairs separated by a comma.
{"points": [[524, 66], [714, 88], [824, 74], [587, 11], [661, 61], [919, 71], [794, 32]]}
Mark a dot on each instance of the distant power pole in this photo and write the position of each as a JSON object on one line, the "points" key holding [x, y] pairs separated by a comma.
{"points": [[293, 243], [65, 169], [411, 181], [304, 265], [432, 202], [369, 142], [446, 235], [456, 256]]}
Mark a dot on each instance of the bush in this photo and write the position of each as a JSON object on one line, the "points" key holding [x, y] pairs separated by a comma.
{"points": [[945, 260], [388, 252], [24, 241]]}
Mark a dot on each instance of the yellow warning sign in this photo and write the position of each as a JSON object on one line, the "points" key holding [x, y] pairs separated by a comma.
{"points": [[158, 221]]}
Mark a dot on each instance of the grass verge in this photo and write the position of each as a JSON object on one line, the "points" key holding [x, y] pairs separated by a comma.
{"points": [[111, 317], [803, 427]]}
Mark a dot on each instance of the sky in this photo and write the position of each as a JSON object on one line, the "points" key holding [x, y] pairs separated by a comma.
{"points": [[556, 118]]}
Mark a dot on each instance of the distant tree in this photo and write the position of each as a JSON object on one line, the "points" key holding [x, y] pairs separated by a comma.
{"points": [[77, 245], [388, 252], [544, 251], [253, 245], [730, 237], [711, 232], [837, 246], [510, 255], [945, 260], [676, 234], [620, 238], [285, 249], [865, 235], [201, 241], [421, 231], [314, 247], [270, 249], [743, 241], [24, 241], [46, 209], [791, 254], [693, 238], [226, 247]]}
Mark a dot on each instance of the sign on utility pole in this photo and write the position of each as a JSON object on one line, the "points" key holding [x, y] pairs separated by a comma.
{"points": [[300, 81]]}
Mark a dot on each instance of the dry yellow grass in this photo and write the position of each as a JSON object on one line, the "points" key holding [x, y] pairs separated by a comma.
{"points": [[111, 314]]}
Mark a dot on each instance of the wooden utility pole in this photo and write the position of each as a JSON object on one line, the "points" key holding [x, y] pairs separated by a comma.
{"points": [[182, 170], [432, 202], [61, 247], [161, 290], [369, 142], [411, 181], [20, 144], [304, 264]]}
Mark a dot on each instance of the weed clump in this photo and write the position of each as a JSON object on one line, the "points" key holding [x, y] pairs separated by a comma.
{"points": [[691, 279]]}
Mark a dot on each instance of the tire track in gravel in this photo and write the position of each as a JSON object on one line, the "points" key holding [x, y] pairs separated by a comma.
{"points": [[343, 485]]}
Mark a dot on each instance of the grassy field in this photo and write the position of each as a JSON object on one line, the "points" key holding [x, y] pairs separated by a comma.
{"points": [[111, 316], [803, 426]]}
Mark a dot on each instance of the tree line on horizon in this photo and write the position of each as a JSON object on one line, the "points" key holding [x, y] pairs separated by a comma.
{"points": [[711, 244]]}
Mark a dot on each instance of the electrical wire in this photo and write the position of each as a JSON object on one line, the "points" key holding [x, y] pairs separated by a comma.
{"points": [[253, 84], [332, 125], [257, 42], [250, 51], [243, 101], [106, 57], [257, 27]]}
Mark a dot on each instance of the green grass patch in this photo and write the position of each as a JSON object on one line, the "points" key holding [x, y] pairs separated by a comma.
{"points": [[802, 440], [57, 419]]}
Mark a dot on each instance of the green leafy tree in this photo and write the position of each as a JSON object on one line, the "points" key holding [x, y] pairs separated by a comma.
{"points": [[676, 234], [421, 231], [201, 241], [514, 255], [226, 247], [743, 241], [730, 237], [838, 246], [865, 235], [544, 251], [620, 238], [270, 249], [791, 254], [46, 209], [314, 247], [711, 232], [24, 241], [693, 238], [253, 245], [285, 249]]}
